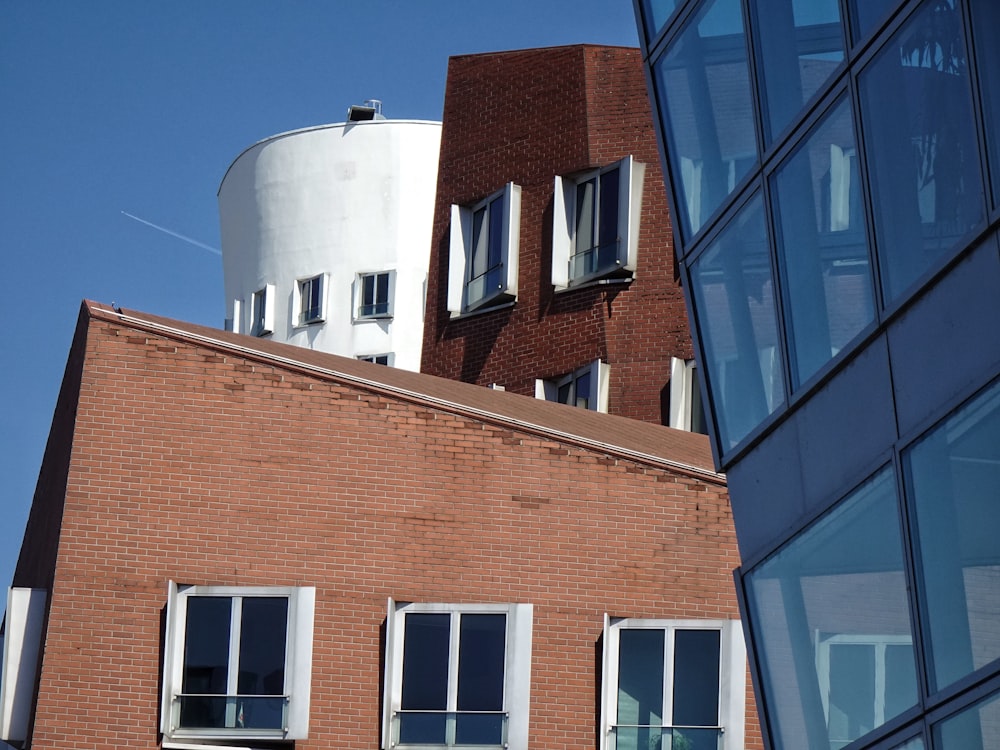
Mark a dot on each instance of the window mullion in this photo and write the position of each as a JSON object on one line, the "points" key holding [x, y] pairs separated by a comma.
{"points": [[667, 713], [453, 657], [232, 680]]}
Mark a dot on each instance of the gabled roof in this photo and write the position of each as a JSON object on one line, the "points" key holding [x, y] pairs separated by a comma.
{"points": [[666, 448]]}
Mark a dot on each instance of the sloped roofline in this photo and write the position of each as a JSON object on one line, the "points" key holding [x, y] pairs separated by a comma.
{"points": [[661, 447]]}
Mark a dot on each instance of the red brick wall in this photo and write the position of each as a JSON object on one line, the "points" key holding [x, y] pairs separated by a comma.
{"points": [[208, 468], [526, 117]]}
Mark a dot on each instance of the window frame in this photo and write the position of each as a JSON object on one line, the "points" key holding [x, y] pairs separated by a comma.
{"points": [[359, 295], [301, 309], [732, 674], [517, 666], [297, 667], [597, 399], [460, 255], [262, 311], [686, 410], [390, 358], [564, 223], [21, 641]]}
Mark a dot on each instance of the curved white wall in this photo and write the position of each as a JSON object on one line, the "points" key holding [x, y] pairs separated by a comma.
{"points": [[339, 200]]}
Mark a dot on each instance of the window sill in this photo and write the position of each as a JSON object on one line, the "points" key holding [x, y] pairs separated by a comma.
{"points": [[481, 310], [590, 283]]}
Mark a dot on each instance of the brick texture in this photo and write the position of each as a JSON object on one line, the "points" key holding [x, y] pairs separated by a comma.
{"points": [[206, 466], [527, 116]]}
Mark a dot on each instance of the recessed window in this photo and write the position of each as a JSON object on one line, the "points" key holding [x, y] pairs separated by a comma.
{"points": [[685, 411], [262, 311], [311, 300], [378, 359], [595, 230], [374, 294], [237, 662], [457, 675], [586, 387], [482, 268], [678, 684]]}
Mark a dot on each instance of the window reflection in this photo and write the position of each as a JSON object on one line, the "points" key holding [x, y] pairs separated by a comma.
{"points": [[656, 13], [985, 21], [734, 305], [704, 88], [953, 475], [826, 278], [834, 639], [922, 152], [976, 728]]}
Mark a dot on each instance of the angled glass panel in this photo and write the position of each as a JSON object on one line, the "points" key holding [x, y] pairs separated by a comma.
{"points": [[655, 14], [986, 38], [704, 90], [822, 247], [923, 157], [976, 728], [831, 623], [953, 478], [801, 45], [734, 306]]}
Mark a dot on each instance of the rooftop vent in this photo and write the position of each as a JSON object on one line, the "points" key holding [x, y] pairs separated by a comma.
{"points": [[370, 110]]}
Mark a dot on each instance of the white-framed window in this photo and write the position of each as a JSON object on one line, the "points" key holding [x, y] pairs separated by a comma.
{"points": [[237, 662], [685, 411], [310, 300], [374, 293], [378, 359], [482, 261], [586, 387], [457, 675], [262, 311], [859, 676], [234, 322], [595, 223], [20, 643], [677, 684]]}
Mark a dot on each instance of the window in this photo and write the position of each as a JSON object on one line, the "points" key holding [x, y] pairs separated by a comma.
{"points": [[595, 223], [378, 359], [374, 294], [482, 267], [20, 642], [673, 683], [457, 675], [235, 320], [237, 662], [586, 388], [262, 311], [685, 410], [311, 300]]}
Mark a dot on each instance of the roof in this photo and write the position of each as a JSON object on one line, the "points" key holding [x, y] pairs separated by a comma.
{"points": [[675, 450]]}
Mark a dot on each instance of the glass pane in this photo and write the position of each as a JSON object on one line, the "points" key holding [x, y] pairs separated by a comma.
{"points": [[425, 677], [976, 728], [926, 184], [480, 244], [382, 292], [640, 688], [704, 89], [985, 23], [734, 307], [824, 608], [481, 660], [263, 634], [585, 196], [206, 660], [582, 390], [696, 678], [656, 13], [822, 247], [607, 253], [801, 44], [953, 476], [368, 292], [917, 743], [868, 14]]}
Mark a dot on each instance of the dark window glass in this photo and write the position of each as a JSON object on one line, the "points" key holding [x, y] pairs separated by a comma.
{"points": [[640, 688], [976, 728], [259, 307], [985, 26], [868, 15], [425, 677], [704, 91], [206, 660], [485, 265], [374, 294], [607, 253], [586, 197], [917, 116], [696, 678], [481, 659]]}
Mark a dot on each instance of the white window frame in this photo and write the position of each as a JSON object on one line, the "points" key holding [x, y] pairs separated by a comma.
{"points": [[517, 667], [564, 222], [685, 394], [261, 311], [20, 645], [298, 660], [359, 291], [390, 358], [732, 674], [463, 293], [597, 398], [235, 322], [300, 307]]}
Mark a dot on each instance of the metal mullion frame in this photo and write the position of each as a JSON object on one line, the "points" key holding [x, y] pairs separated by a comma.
{"points": [[232, 679], [454, 643], [667, 713], [964, 9]]}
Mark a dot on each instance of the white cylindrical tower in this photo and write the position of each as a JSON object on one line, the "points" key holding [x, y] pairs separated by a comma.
{"points": [[326, 237]]}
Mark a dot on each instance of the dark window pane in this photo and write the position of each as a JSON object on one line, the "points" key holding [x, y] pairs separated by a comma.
{"points": [[262, 646], [565, 393], [582, 390], [368, 293], [926, 183], [423, 728], [206, 660], [481, 658], [696, 678], [985, 23], [496, 246], [382, 292], [640, 677], [607, 253], [479, 729], [425, 661], [868, 14]]}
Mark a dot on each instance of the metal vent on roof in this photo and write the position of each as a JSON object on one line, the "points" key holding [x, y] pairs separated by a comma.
{"points": [[370, 110]]}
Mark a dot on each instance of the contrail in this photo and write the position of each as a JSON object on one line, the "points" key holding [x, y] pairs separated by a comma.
{"points": [[179, 236]]}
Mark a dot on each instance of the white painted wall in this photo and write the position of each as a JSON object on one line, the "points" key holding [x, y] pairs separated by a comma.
{"points": [[337, 199]]}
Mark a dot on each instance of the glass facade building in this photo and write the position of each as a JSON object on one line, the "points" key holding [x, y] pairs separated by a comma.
{"points": [[834, 177]]}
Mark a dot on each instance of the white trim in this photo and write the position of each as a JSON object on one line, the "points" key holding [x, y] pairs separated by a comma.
{"points": [[20, 646]]}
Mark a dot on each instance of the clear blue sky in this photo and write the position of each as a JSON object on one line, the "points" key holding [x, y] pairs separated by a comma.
{"points": [[111, 106]]}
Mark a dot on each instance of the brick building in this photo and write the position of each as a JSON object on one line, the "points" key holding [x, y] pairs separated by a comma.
{"points": [[240, 543], [551, 270]]}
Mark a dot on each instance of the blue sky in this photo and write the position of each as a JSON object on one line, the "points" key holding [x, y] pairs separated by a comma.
{"points": [[140, 106]]}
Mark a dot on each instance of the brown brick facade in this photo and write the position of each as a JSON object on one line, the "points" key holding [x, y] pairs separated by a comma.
{"points": [[527, 116], [204, 464]]}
